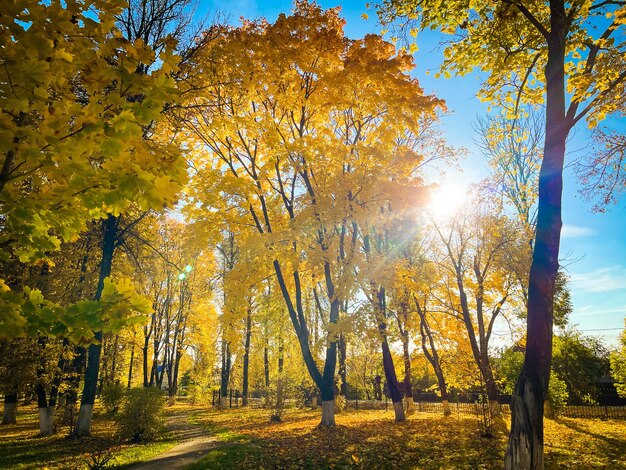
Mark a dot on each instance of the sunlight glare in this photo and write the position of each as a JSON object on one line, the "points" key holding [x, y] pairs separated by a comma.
{"points": [[446, 199]]}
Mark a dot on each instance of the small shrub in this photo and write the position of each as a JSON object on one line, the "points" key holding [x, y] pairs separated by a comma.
{"points": [[340, 403], [276, 401], [198, 394], [305, 393], [100, 459], [141, 417], [557, 394], [484, 415], [112, 396]]}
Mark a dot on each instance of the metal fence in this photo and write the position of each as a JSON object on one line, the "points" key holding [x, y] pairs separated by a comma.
{"points": [[466, 404], [594, 411]]}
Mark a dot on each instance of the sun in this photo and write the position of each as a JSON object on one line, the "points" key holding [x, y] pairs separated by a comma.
{"points": [[446, 199]]}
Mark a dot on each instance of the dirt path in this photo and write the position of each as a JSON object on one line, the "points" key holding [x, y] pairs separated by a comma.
{"points": [[194, 444]]}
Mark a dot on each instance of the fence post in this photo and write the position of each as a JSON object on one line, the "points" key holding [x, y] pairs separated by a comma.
{"points": [[385, 402], [357, 400], [230, 402]]}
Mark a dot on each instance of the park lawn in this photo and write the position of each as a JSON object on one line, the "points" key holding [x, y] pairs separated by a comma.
{"points": [[22, 448], [370, 439]]}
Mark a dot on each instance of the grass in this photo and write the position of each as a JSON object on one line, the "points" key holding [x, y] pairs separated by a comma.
{"points": [[22, 448], [370, 439]]}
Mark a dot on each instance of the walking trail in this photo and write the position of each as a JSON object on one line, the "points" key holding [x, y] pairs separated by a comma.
{"points": [[194, 444]]}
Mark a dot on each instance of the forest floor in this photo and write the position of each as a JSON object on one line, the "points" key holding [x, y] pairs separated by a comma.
{"points": [[246, 439], [371, 439]]}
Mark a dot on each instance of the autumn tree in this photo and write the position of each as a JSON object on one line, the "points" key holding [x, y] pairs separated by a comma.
{"points": [[73, 116], [66, 128], [405, 321], [228, 254], [603, 176], [298, 126], [474, 255], [568, 56], [416, 313], [384, 246], [512, 148], [618, 365], [580, 362], [17, 372], [376, 245]]}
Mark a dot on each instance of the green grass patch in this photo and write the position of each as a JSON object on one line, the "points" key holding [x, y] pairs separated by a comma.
{"points": [[228, 457], [131, 455]]}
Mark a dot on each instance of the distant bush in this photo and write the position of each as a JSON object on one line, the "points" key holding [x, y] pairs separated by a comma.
{"points": [[198, 394], [557, 394], [112, 397], [141, 417], [305, 392]]}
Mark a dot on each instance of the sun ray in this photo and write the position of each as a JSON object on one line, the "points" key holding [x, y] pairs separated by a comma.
{"points": [[446, 199]]}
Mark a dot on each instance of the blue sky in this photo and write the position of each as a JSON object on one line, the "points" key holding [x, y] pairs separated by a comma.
{"points": [[592, 245]]}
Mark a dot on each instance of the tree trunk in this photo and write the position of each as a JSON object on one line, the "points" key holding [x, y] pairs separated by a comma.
{"points": [[28, 399], [113, 377], [46, 412], [408, 387], [153, 371], [446, 407], [225, 373], [266, 366], [160, 375], [378, 391], [392, 383], [174, 388], [443, 391], [525, 448], [9, 415], [130, 367], [246, 357], [103, 378], [73, 383], [390, 370], [279, 405], [325, 380], [46, 409], [479, 345], [85, 414], [327, 387], [343, 386], [58, 375], [328, 413], [492, 392], [144, 354], [432, 355], [46, 421]]}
